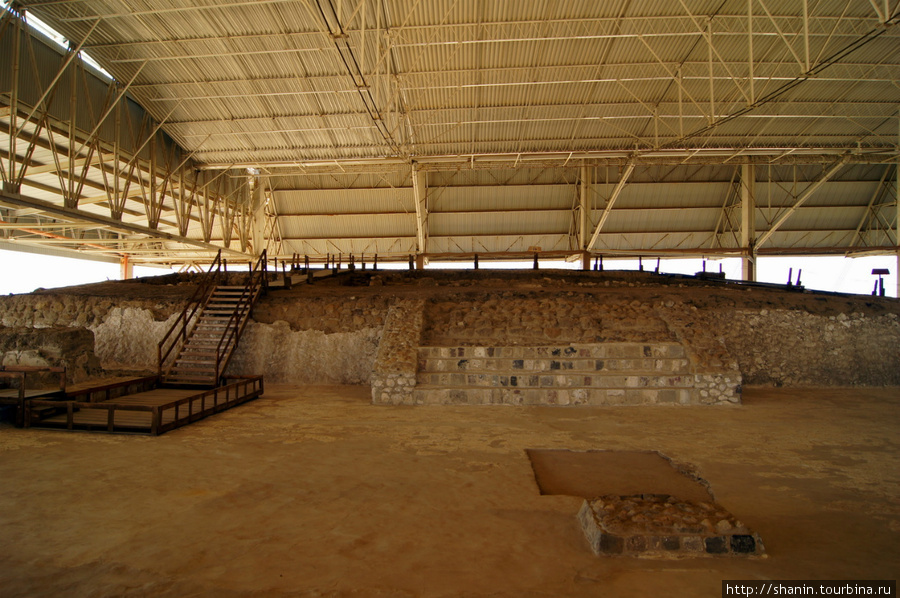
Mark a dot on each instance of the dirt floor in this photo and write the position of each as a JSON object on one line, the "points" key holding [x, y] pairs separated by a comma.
{"points": [[314, 492]]}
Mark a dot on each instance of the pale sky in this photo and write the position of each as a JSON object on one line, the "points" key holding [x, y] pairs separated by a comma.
{"points": [[24, 272]]}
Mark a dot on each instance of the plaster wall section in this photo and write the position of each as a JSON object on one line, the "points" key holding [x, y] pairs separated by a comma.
{"points": [[284, 355], [394, 376], [312, 340]]}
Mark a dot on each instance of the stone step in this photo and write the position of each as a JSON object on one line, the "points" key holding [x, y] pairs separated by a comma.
{"points": [[572, 380], [440, 395], [659, 365], [597, 350]]}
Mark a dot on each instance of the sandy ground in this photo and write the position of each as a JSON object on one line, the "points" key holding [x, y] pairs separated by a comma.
{"points": [[314, 492]]}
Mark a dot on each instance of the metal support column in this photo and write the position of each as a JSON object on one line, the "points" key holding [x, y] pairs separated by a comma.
{"points": [[420, 196], [584, 220], [126, 268], [258, 215], [748, 223]]}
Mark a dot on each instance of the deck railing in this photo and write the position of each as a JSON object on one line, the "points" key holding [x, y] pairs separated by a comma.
{"points": [[160, 418], [20, 374]]}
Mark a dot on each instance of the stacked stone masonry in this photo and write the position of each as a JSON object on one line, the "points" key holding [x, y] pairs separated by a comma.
{"points": [[663, 526], [633, 331], [597, 374], [395, 365]]}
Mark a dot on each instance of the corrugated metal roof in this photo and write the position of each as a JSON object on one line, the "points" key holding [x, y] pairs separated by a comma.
{"points": [[502, 104]]}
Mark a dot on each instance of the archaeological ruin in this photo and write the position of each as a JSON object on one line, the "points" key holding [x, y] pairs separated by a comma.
{"points": [[410, 298]]}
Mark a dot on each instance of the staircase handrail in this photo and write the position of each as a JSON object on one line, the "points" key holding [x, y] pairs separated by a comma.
{"points": [[195, 303], [258, 281]]}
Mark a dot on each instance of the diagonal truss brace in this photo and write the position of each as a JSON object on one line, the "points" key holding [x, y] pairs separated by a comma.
{"points": [[74, 214], [609, 204], [801, 199]]}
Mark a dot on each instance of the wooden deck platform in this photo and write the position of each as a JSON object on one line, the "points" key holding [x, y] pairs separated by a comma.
{"points": [[151, 410]]}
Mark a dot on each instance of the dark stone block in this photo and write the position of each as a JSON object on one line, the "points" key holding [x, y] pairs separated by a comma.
{"points": [[518, 364], [554, 365], [570, 351], [743, 543], [555, 352], [648, 351], [671, 543], [611, 544], [636, 544], [490, 351], [716, 545], [459, 397], [598, 365], [462, 363], [567, 365], [513, 381]]}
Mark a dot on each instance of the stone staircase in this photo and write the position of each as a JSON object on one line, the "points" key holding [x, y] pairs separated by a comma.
{"points": [[610, 373]]}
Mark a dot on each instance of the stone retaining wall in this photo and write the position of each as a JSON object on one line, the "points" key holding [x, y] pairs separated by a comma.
{"points": [[795, 348], [397, 362], [517, 318], [71, 348]]}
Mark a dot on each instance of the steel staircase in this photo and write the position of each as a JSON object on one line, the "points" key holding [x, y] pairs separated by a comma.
{"points": [[201, 342]]}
